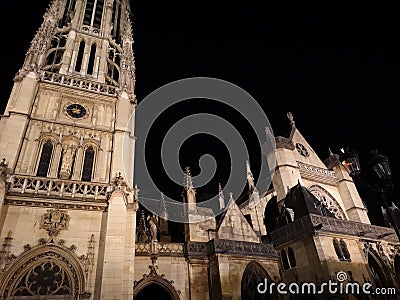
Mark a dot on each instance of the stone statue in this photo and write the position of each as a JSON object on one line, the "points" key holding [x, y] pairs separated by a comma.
{"points": [[153, 224], [67, 160]]}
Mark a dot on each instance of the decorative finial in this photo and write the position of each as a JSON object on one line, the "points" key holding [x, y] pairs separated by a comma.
{"points": [[188, 179], [250, 177], [163, 207], [291, 118]]}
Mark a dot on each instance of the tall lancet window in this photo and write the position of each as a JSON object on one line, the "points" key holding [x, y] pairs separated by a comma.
{"points": [[79, 59], [98, 13], [68, 13], [45, 158], [91, 59], [116, 21], [87, 18], [88, 163], [93, 13]]}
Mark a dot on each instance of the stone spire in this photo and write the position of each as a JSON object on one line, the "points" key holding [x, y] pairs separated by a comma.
{"points": [[250, 177], [163, 208], [188, 183], [221, 197]]}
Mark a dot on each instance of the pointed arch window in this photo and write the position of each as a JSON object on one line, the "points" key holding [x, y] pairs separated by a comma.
{"points": [[88, 163], [91, 59], [87, 18], [98, 13], [285, 261], [79, 59], [93, 13], [45, 158], [68, 13], [116, 21], [337, 249], [345, 251], [291, 258], [341, 250]]}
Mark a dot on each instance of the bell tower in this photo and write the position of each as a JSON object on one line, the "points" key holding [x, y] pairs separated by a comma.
{"points": [[74, 95], [67, 139]]}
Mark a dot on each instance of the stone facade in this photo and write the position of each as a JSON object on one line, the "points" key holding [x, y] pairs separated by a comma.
{"points": [[71, 226]]}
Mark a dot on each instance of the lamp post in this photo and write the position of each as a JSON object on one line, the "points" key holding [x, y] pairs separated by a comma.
{"points": [[380, 164]]}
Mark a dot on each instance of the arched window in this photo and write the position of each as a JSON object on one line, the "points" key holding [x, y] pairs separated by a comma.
{"points": [[345, 251], [87, 18], [341, 250], [91, 59], [291, 258], [98, 13], [116, 21], [79, 59], [253, 274], [337, 249], [285, 261], [88, 162], [69, 10], [45, 158], [93, 13]]}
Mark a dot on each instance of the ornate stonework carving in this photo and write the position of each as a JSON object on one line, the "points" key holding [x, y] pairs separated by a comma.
{"points": [[6, 257], [159, 279], [55, 220], [282, 142], [327, 199]]}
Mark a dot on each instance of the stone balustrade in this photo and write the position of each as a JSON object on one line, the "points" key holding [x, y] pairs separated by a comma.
{"points": [[21, 184], [79, 83]]}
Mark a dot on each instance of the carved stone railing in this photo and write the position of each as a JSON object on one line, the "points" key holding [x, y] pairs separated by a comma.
{"points": [[312, 223], [159, 248], [57, 187], [79, 83], [218, 246], [316, 172]]}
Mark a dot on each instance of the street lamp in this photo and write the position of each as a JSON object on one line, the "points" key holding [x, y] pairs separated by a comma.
{"points": [[351, 162], [380, 165]]}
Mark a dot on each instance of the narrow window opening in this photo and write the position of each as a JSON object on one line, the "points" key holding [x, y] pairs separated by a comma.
{"points": [[91, 59], [87, 169], [79, 59], [45, 158]]}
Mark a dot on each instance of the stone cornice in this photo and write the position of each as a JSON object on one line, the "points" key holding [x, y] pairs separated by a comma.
{"points": [[311, 223]]}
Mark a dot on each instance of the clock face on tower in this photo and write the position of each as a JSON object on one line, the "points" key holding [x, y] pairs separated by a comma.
{"points": [[76, 111]]}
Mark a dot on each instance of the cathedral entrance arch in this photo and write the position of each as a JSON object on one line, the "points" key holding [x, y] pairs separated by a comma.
{"points": [[154, 287], [376, 268], [253, 275], [47, 272]]}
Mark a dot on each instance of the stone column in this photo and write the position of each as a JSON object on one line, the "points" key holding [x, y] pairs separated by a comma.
{"points": [[55, 161], [78, 164]]}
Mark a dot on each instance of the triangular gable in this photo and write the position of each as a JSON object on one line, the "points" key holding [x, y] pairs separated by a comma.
{"points": [[234, 226], [310, 157]]}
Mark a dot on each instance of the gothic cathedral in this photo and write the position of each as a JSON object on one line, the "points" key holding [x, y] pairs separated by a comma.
{"points": [[71, 226]]}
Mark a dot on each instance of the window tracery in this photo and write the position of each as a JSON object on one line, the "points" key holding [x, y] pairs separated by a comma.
{"points": [[330, 203]]}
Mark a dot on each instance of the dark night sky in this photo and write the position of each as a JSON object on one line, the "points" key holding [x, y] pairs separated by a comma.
{"points": [[338, 73]]}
